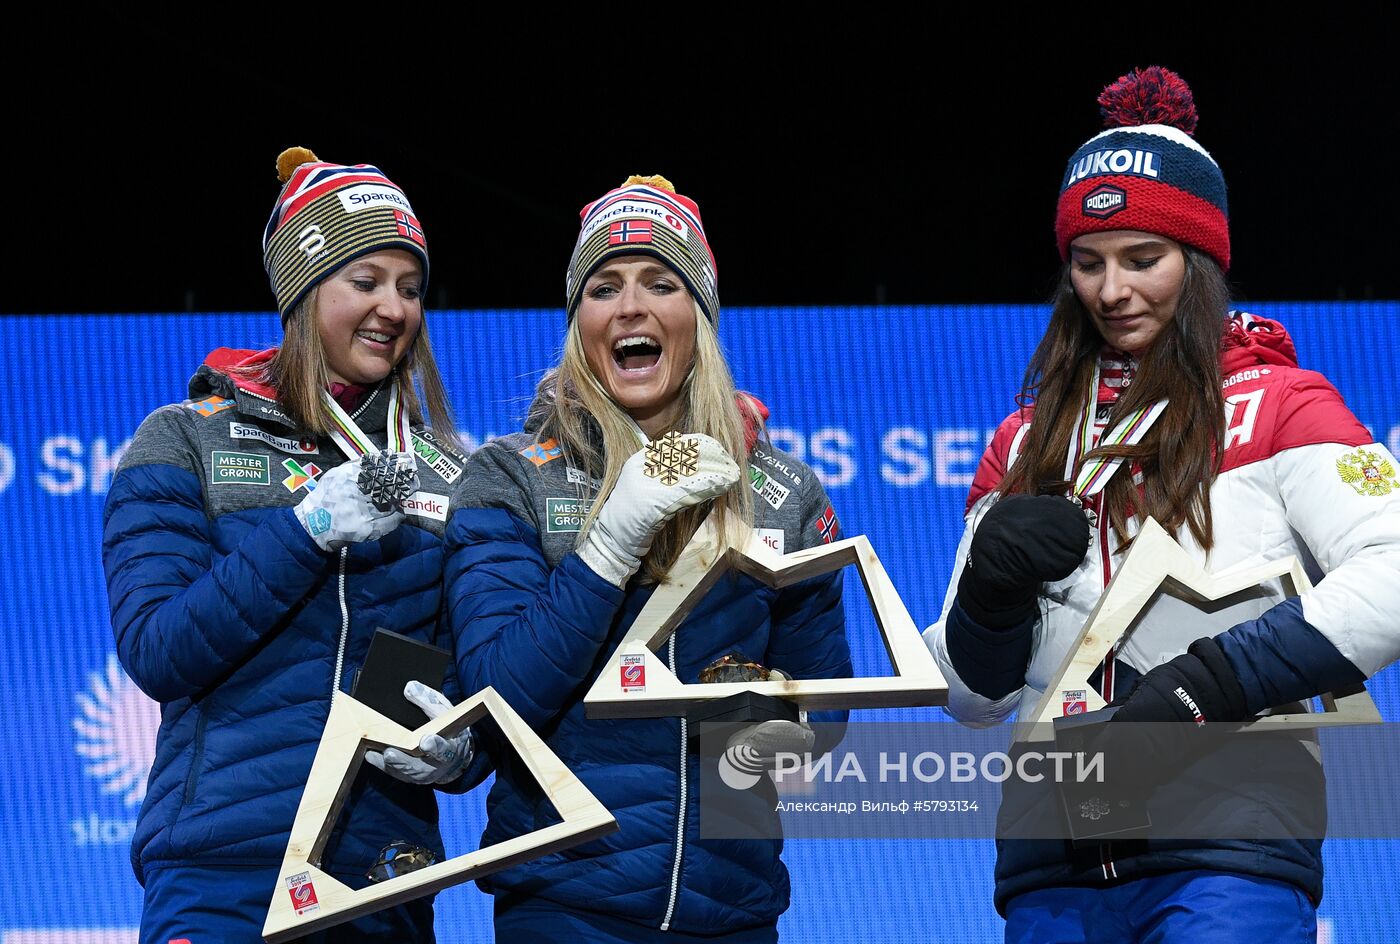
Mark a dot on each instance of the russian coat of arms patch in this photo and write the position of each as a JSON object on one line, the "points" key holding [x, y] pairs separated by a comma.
{"points": [[1368, 472]]}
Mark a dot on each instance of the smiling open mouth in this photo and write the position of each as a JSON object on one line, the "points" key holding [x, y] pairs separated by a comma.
{"points": [[636, 353]]}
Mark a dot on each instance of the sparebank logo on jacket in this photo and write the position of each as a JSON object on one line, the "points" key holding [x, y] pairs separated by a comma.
{"points": [[303, 447]]}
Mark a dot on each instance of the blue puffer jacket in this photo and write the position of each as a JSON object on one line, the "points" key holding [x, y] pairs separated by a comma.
{"points": [[532, 620], [228, 614]]}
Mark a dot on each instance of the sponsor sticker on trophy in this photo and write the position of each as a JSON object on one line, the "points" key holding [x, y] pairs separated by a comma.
{"points": [[634, 673], [1074, 701], [303, 893]]}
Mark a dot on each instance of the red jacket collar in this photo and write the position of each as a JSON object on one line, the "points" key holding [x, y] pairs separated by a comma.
{"points": [[244, 368], [752, 427], [247, 368], [1251, 340]]}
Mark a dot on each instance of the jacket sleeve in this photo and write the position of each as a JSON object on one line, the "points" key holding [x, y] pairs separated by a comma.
{"points": [[183, 620], [808, 638], [531, 632], [1341, 495], [985, 669]]}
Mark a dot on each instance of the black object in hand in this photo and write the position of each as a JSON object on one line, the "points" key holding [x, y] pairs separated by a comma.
{"points": [[391, 663], [1177, 699], [1197, 686], [1096, 810], [1021, 542]]}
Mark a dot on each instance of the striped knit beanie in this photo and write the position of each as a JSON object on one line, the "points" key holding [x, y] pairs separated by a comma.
{"points": [[1146, 172], [645, 216], [327, 215]]}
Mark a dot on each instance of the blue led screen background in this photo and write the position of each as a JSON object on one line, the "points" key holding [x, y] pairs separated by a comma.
{"points": [[891, 407]]}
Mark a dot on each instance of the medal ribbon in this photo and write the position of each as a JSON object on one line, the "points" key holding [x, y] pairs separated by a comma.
{"points": [[1093, 476], [353, 441]]}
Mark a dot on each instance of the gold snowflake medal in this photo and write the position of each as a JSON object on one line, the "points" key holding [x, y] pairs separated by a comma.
{"points": [[672, 458]]}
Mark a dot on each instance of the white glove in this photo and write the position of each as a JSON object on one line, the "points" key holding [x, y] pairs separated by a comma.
{"points": [[337, 513], [639, 505], [756, 748], [443, 758]]}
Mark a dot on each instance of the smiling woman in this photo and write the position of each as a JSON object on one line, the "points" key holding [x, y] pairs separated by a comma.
{"points": [[244, 601], [568, 530], [637, 324], [369, 315]]}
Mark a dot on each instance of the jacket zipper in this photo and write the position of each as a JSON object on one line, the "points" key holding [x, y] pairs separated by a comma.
{"points": [[354, 416], [344, 553], [198, 757], [344, 627], [1110, 870], [680, 815]]}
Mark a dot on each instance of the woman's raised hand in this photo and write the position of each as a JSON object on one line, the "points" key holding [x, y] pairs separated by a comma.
{"points": [[669, 475], [340, 512], [1021, 542]]}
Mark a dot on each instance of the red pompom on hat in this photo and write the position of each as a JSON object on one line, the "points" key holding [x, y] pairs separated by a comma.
{"points": [[1146, 172], [1151, 96]]}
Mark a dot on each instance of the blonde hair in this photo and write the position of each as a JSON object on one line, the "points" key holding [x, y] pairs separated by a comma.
{"points": [[298, 373], [598, 436]]}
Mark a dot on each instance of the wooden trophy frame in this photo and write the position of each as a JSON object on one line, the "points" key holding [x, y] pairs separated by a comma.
{"points": [[307, 899], [1156, 563], [621, 691]]}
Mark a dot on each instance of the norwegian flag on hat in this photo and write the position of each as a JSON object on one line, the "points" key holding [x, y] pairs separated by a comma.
{"points": [[408, 226], [629, 231]]}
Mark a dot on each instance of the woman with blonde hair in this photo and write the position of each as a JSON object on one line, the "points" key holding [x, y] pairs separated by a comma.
{"points": [[566, 535], [255, 536]]}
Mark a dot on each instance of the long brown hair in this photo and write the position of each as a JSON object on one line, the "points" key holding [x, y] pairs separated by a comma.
{"points": [[298, 372], [1180, 455]]}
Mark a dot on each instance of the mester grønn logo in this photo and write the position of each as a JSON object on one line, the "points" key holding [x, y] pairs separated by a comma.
{"points": [[116, 729]]}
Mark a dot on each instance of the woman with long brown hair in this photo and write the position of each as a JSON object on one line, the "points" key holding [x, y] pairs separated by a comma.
{"points": [[1148, 397], [567, 532]]}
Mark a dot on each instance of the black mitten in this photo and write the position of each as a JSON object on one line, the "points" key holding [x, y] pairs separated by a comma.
{"points": [[1198, 686], [1021, 542]]}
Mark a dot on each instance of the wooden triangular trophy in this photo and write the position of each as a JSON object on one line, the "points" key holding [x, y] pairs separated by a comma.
{"points": [[1156, 563], [635, 683], [307, 899]]}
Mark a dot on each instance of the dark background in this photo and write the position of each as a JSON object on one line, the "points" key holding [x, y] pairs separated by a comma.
{"points": [[908, 164]]}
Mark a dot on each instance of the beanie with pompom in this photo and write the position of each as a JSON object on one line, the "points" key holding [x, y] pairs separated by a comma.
{"points": [[1145, 171], [644, 216], [329, 214]]}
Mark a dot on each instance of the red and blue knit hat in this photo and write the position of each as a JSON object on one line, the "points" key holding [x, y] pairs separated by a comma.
{"points": [[645, 216], [1146, 172], [327, 215]]}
